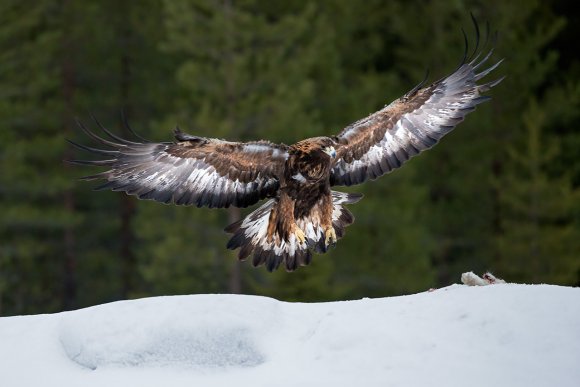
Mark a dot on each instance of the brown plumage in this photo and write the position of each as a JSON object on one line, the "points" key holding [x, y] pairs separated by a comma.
{"points": [[302, 214]]}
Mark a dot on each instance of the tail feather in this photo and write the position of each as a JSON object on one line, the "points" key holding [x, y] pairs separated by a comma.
{"points": [[341, 216], [250, 235]]}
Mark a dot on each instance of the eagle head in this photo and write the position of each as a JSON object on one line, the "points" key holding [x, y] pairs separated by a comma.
{"points": [[326, 145], [329, 150], [320, 146]]}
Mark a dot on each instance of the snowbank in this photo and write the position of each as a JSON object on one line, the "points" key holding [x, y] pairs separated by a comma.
{"points": [[502, 335]]}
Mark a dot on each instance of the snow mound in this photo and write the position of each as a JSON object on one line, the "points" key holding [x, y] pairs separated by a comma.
{"points": [[506, 335], [200, 331]]}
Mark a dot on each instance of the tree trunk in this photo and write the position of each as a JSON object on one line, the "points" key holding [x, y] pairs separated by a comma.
{"points": [[70, 260], [127, 206], [68, 85]]}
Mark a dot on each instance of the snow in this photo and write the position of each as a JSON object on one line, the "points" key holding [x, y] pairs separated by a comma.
{"points": [[500, 335]]}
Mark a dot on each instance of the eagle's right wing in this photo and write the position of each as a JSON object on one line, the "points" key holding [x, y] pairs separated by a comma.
{"points": [[193, 170]]}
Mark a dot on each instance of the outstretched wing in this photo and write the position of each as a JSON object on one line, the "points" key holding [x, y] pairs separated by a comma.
{"points": [[193, 170], [383, 141]]}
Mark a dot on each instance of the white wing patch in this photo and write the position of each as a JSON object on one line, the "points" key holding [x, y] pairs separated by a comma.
{"points": [[299, 178], [261, 148]]}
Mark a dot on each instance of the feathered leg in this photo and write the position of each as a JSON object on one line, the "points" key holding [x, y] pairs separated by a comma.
{"points": [[326, 207]]}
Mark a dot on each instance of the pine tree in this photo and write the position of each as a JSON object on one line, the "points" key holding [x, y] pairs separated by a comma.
{"points": [[464, 206], [540, 239], [59, 63], [122, 70], [38, 241]]}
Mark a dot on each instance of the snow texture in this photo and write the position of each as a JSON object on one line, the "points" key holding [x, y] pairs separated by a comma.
{"points": [[501, 335]]}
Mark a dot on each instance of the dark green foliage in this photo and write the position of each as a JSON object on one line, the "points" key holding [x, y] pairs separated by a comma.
{"points": [[501, 193], [539, 238]]}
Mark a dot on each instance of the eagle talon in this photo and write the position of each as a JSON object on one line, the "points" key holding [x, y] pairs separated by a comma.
{"points": [[330, 236], [300, 235]]}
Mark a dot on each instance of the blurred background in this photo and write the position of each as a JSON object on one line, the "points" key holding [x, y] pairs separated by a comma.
{"points": [[500, 193]]}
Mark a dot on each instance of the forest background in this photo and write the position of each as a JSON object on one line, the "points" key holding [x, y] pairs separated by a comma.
{"points": [[500, 193]]}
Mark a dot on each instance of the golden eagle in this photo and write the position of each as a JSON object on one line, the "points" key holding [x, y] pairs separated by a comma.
{"points": [[302, 214]]}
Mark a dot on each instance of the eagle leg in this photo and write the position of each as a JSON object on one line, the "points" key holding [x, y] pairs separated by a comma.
{"points": [[330, 236], [326, 215]]}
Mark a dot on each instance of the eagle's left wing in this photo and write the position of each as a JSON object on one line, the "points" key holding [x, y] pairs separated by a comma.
{"points": [[190, 171], [383, 141]]}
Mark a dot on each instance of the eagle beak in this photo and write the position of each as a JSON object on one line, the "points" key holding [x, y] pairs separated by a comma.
{"points": [[329, 150]]}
